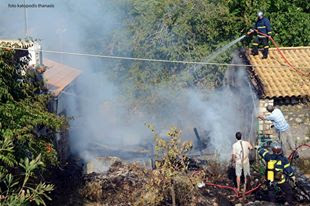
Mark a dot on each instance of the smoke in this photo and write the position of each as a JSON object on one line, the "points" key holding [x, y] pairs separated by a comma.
{"points": [[107, 118], [227, 110], [103, 117]]}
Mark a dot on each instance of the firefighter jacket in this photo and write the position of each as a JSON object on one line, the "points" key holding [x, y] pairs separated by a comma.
{"points": [[278, 168], [263, 26]]}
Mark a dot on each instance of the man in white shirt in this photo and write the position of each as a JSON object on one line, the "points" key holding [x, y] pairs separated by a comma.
{"points": [[240, 156], [282, 128]]}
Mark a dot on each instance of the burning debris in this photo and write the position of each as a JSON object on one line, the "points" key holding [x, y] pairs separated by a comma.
{"points": [[115, 187], [133, 184], [100, 164], [302, 188], [178, 179]]}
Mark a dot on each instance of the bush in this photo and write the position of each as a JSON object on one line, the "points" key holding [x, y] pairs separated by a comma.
{"points": [[25, 153], [171, 182]]}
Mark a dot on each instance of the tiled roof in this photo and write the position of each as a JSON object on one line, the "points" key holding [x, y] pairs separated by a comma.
{"points": [[276, 78], [58, 76]]}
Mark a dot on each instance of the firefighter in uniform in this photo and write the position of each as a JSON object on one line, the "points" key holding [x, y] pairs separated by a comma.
{"points": [[262, 25], [278, 172]]}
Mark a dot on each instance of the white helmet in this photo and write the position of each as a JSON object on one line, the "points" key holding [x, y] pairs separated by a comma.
{"points": [[260, 14]]}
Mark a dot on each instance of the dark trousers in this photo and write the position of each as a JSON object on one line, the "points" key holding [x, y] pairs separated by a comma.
{"points": [[285, 188], [261, 41]]}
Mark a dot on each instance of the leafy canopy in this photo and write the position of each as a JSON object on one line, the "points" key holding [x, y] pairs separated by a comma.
{"points": [[25, 152]]}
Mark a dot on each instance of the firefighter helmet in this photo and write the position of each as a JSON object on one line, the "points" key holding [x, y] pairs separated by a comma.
{"points": [[260, 14], [276, 148]]}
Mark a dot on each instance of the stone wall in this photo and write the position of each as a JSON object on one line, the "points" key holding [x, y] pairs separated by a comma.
{"points": [[298, 116], [265, 126]]}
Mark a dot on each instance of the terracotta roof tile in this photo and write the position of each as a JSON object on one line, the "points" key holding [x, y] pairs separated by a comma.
{"points": [[277, 78], [58, 76]]}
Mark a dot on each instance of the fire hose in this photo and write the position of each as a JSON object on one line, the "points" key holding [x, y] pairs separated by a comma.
{"points": [[223, 187], [234, 189], [291, 156], [237, 194], [282, 55]]}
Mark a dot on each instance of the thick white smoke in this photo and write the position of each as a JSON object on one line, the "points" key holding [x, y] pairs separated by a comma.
{"points": [[102, 116]]}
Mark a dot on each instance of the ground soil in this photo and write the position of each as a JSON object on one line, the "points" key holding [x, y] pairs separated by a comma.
{"points": [[121, 181]]}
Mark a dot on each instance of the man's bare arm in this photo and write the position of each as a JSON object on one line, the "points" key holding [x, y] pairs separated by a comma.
{"points": [[262, 117], [250, 146]]}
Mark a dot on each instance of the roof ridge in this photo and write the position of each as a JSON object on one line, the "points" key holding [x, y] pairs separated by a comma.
{"points": [[288, 48]]}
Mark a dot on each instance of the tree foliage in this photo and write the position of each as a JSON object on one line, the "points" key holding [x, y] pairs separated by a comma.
{"points": [[25, 152], [177, 30], [191, 30], [290, 20]]}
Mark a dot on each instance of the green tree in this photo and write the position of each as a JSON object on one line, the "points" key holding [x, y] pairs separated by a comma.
{"points": [[290, 20], [178, 30], [25, 153], [188, 30]]}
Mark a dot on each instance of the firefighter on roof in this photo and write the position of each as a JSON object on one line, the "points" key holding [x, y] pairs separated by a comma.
{"points": [[262, 26], [278, 172]]}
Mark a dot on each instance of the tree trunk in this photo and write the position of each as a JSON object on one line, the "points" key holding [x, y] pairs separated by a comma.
{"points": [[172, 193]]}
